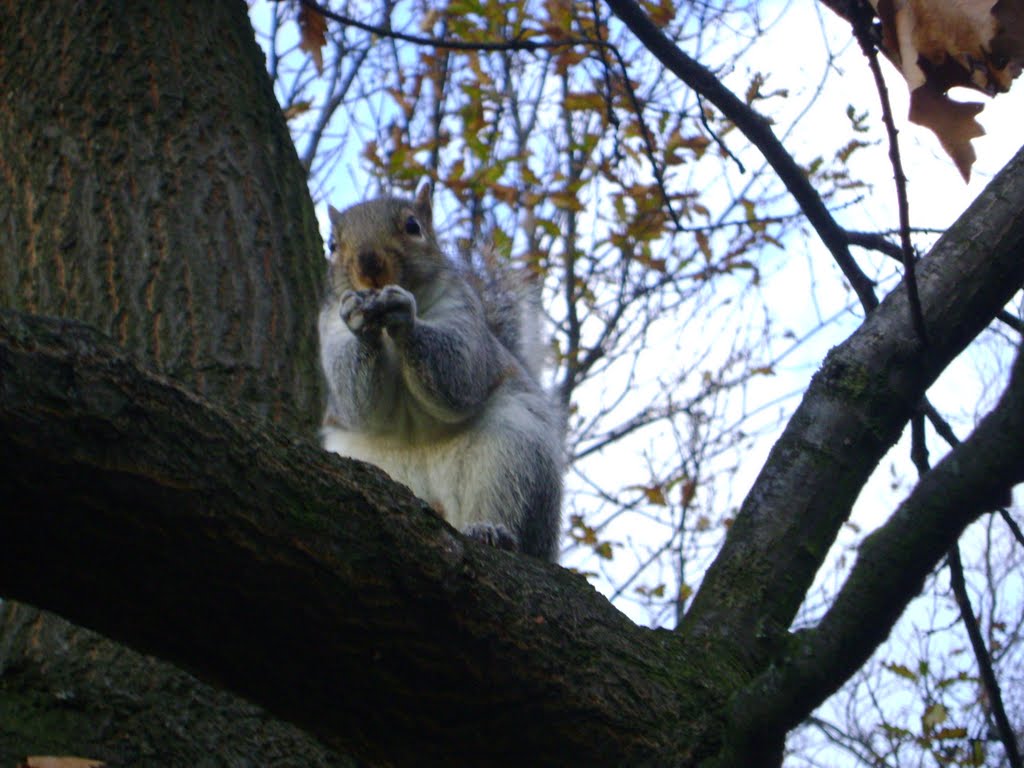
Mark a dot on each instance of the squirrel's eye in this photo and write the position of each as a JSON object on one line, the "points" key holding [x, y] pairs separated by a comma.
{"points": [[412, 227], [331, 243]]}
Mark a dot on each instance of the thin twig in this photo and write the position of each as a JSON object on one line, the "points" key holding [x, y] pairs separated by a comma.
{"points": [[956, 579], [758, 130], [862, 30], [1018, 534], [946, 432], [988, 675], [718, 139]]}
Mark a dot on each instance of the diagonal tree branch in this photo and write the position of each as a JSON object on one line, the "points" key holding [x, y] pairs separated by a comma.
{"points": [[311, 585], [854, 410], [891, 568], [990, 684]]}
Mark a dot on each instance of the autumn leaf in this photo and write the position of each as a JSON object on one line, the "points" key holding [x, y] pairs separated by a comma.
{"points": [[581, 532], [584, 101], [298, 108], [61, 762], [566, 201], [654, 494], [900, 670], [939, 44], [951, 733], [313, 31], [935, 715], [689, 491], [662, 12], [658, 265]]}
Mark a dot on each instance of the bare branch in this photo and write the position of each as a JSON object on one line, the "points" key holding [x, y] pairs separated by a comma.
{"points": [[862, 29], [891, 568], [853, 412], [981, 654], [756, 128]]}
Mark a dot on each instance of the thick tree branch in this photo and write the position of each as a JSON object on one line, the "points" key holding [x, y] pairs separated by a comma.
{"points": [[66, 690], [311, 585], [891, 568], [854, 410]]}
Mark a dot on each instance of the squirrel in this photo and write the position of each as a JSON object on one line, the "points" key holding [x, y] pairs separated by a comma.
{"points": [[433, 376]]}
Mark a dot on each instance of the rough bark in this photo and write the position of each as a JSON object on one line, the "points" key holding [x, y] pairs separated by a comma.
{"points": [[313, 586], [890, 571], [390, 635], [151, 189], [852, 413], [166, 211], [148, 186], [68, 691]]}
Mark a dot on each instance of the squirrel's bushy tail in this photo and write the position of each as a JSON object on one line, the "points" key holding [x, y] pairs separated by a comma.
{"points": [[512, 308]]}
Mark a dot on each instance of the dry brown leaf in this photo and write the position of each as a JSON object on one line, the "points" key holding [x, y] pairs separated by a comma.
{"points": [[952, 121], [298, 108], [939, 44], [61, 762], [313, 29]]}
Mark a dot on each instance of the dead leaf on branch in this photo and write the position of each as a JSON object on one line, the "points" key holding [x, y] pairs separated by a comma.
{"points": [[940, 44], [313, 30], [298, 108]]}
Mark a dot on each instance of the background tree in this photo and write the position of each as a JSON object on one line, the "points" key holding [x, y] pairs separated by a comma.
{"points": [[633, 272]]}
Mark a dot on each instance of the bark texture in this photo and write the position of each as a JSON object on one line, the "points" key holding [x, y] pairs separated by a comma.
{"points": [[319, 589], [311, 585], [150, 188], [853, 412], [67, 691]]}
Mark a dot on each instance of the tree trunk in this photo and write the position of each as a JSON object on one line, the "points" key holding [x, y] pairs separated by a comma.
{"points": [[174, 219], [151, 189]]}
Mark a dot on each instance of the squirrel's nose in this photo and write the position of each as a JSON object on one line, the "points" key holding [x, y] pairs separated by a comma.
{"points": [[370, 263], [371, 266]]}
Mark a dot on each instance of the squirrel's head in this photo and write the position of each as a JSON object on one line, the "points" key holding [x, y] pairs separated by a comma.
{"points": [[385, 241]]}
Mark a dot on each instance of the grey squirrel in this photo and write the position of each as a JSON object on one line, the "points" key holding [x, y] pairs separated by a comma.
{"points": [[432, 372]]}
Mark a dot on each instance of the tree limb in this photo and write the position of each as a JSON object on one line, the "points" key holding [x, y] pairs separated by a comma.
{"points": [[854, 410], [891, 567], [311, 585], [68, 691], [989, 682]]}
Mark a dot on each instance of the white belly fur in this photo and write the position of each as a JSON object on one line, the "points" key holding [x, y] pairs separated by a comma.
{"points": [[428, 470], [457, 475]]}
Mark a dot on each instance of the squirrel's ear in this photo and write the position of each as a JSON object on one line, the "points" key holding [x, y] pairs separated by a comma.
{"points": [[333, 214], [423, 200]]}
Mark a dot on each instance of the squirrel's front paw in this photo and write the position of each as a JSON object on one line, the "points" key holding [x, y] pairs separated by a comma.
{"points": [[392, 307], [353, 310], [495, 534]]}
